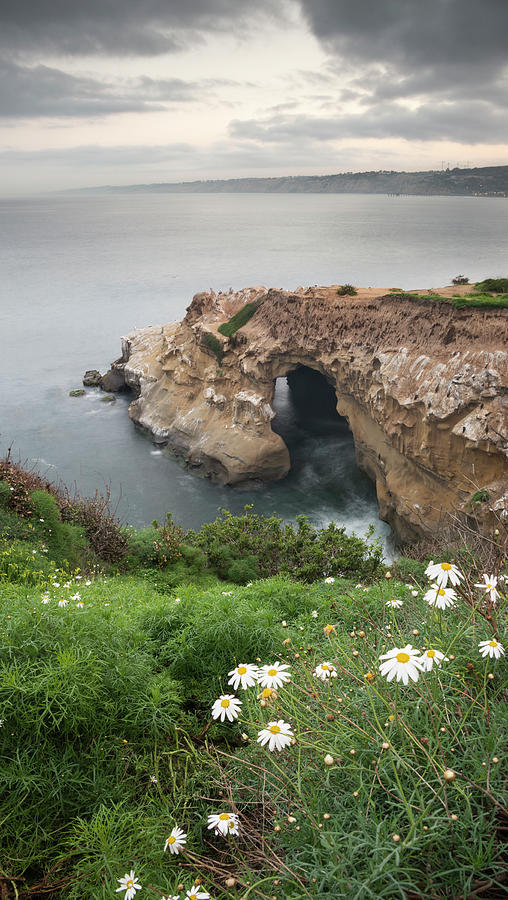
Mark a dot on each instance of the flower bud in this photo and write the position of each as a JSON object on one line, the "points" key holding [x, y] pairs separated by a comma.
{"points": [[449, 775], [328, 760]]}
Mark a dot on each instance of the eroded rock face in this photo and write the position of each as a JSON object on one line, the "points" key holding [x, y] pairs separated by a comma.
{"points": [[423, 386]]}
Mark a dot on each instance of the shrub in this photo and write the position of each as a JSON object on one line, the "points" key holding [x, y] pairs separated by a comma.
{"points": [[494, 285], [460, 279], [347, 290], [102, 528], [229, 328], [242, 547], [157, 546]]}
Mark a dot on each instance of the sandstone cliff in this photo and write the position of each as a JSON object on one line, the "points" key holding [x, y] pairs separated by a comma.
{"points": [[423, 386]]}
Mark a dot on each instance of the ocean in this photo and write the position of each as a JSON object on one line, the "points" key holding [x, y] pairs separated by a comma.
{"points": [[80, 270]]}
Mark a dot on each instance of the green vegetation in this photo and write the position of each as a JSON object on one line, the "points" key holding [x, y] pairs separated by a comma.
{"points": [[347, 290], [493, 286], [212, 342], [460, 301], [229, 328], [108, 678]]}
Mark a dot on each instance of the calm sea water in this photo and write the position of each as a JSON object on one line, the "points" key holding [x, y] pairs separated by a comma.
{"points": [[77, 272]]}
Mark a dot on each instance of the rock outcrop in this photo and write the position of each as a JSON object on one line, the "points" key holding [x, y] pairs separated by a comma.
{"points": [[423, 386]]}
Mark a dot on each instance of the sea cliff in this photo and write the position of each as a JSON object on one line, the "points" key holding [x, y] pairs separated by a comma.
{"points": [[422, 384]]}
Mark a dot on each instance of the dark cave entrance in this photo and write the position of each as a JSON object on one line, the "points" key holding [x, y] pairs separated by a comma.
{"points": [[305, 404], [324, 477]]}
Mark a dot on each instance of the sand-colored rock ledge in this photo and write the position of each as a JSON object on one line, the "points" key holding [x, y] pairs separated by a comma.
{"points": [[423, 385]]}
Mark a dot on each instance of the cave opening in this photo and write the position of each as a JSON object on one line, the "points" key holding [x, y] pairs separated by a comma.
{"points": [[323, 470]]}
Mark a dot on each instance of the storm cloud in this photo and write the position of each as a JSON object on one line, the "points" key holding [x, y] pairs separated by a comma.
{"points": [[121, 27]]}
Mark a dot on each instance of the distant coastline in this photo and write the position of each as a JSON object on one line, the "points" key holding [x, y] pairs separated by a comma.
{"points": [[486, 181]]}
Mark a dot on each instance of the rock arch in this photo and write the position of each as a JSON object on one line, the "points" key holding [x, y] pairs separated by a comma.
{"points": [[422, 385]]}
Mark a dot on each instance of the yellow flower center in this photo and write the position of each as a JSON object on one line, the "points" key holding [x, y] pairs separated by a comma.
{"points": [[224, 817], [172, 839], [274, 729], [431, 653], [130, 884], [241, 670], [403, 657], [231, 824], [493, 644], [325, 667], [445, 567], [266, 693], [224, 703], [272, 672], [441, 592], [489, 587], [193, 897]]}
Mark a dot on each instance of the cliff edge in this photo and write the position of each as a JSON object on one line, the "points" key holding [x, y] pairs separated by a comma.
{"points": [[422, 384]]}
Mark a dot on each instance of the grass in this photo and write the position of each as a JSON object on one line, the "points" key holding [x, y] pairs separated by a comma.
{"points": [[107, 741], [229, 328]]}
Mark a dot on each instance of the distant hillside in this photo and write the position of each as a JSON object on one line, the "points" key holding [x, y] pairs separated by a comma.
{"points": [[491, 181]]}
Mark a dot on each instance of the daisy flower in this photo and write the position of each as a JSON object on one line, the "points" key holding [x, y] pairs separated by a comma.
{"points": [[45, 599], [245, 674], [402, 663], [174, 897], [442, 573], [153, 779], [440, 597], [394, 604], [273, 676], [276, 734], [196, 894], [63, 602], [226, 707], [325, 670], [330, 580], [227, 593], [490, 587], [491, 648], [80, 604], [176, 840], [431, 658], [314, 613], [128, 884], [223, 823]]}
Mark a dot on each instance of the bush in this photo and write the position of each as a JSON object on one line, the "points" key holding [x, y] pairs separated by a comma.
{"points": [[157, 546], [493, 285], [460, 279], [102, 528], [239, 548], [347, 290]]}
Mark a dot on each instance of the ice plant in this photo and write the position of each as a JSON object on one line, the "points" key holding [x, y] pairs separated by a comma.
{"points": [[442, 573], [226, 707], [274, 676], [491, 648], [245, 674], [440, 597], [276, 734], [176, 840], [432, 657], [223, 823], [401, 663], [325, 670], [490, 587], [128, 884]]}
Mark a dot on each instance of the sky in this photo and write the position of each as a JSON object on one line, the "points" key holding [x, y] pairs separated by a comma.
{"points": [[141, 91]]}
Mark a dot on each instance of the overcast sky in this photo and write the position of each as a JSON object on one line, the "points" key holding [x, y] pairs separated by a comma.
{"points": [[130, 91]]}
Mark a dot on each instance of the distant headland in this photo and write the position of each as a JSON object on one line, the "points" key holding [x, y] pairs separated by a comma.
{"points": [[486, 181]]}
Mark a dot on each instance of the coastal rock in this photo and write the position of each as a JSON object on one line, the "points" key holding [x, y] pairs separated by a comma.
{"points": [[92, 378], [423, 386]]}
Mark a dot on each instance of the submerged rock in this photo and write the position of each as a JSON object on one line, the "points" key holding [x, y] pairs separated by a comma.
{"points": [[422, 384], [77, 393]]}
